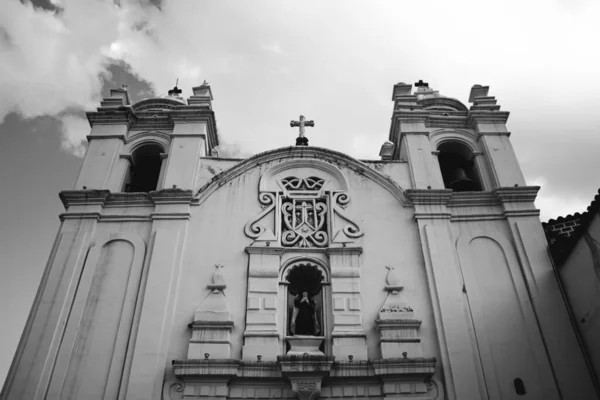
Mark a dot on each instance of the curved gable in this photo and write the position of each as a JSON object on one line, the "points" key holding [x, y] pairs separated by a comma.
{"points": [[324, 160]]}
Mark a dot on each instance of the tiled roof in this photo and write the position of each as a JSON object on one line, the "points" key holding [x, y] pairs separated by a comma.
{"points": [[563, 233]]}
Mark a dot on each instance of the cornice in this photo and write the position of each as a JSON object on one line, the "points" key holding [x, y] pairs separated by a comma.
{"points": [[517, 193], [429, 196], [106, 199], [83, 197], [296, 366], [171, 196], [490, 117], [343, 251], [222, 368], [123, 199], [111, 116], [470, 199], [405, 367], [285, 153], [92, 137]]}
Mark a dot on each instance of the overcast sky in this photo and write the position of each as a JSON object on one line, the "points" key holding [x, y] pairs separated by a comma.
{"points": [[267, 62]]}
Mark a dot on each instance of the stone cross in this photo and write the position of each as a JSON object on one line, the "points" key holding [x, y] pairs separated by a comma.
{"points": [[301, 140], [421, 83]]}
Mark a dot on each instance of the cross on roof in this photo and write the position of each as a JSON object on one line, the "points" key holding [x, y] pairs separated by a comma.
{"points": [[301, 140], [175, 91], [421, 83]]}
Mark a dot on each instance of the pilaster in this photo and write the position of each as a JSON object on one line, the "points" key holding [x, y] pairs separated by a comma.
{"points": [[194, 136], [490, 124], [261, 337], [349, 338], [458, 352], [106, 141], [150, 338]]}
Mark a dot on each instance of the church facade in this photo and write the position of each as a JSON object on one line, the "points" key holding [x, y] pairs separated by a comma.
{"points": [[299, 272]]}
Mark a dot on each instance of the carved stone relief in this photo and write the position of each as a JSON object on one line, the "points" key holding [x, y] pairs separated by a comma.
{"points": [[304, 212]]}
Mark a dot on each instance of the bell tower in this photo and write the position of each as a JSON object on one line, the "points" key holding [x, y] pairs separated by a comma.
{"points": [[501, 322], [450, 146], [119, 247]]}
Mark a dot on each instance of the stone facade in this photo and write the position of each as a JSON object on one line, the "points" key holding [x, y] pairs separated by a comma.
{"points": [[423, 292]]}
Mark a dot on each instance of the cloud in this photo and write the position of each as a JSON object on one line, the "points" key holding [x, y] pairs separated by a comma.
{"points": [[273, 48], [52, 60], [74, 132]]}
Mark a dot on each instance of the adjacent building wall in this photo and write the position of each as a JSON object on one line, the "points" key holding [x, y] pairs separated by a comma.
{"points": [[580, 275]]}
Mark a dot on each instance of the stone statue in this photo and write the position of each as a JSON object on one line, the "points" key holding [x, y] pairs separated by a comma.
{"points": [[304, 318]]}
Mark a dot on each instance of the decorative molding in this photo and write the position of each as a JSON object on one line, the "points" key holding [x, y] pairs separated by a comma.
{"points": [[429, 196], [423, 368], [267, 379]]}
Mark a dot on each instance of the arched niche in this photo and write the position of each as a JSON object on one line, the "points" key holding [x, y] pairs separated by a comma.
{"points": [[334, 179], [101, 321], [313, 270], [508, 336]]}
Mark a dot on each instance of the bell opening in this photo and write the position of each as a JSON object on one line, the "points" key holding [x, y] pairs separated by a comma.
{"points": [[458, 168]]}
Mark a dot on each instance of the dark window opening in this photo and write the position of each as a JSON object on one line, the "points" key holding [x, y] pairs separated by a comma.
{"points": [[519, 386], [144, 170], [458, 168]]}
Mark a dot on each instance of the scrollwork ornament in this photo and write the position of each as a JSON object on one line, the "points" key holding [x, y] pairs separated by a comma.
{"points": [[341, 199], [267, 201], [172, 391], [438, 387]]}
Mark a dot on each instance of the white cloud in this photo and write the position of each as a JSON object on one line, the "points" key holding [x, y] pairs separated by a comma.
{"points": [[74, 132], [273, 48]]}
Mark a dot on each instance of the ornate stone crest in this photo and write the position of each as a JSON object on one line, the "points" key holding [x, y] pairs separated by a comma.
{"points": [[303, 209]]}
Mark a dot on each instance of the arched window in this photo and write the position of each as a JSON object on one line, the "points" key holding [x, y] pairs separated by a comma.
{"points": [[457, 163], [144, 170]]}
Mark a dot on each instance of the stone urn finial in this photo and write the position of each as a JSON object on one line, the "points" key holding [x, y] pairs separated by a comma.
{"points": [[218, 281], [391, 280]]}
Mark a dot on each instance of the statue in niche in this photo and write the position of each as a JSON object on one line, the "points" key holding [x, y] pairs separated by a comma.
{"points": [[304, 300], [304, 318]]}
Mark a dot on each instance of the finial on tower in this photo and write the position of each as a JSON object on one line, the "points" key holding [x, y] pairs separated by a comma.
{"points": [[202, 96], [421, 84]]}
